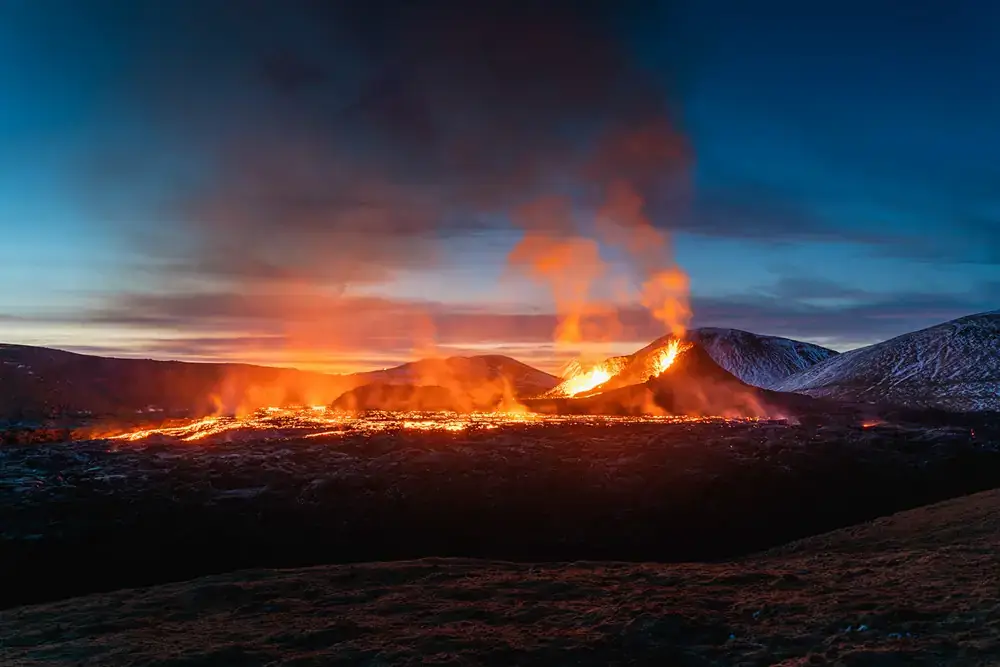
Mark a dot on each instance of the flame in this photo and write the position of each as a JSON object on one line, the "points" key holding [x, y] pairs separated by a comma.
{"points": [[666, 356], [578, 378], [577, 384]]}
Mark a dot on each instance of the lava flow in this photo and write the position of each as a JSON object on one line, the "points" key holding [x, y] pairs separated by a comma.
{"points": [[584, 381], [579, 380], [665, 357], [316, 422]]}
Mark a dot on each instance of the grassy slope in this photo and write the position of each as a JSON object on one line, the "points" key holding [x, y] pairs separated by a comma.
{"points": [[922, 582]]}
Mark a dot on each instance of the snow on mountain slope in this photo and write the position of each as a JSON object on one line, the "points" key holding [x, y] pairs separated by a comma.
{"points": [[954, 366], [761, 361]]}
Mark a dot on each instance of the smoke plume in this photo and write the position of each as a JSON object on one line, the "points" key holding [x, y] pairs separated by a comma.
{"points": [[327, 147]]}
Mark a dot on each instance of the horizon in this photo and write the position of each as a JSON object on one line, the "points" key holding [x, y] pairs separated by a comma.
{"points": [[555, 371], [329, 190]]}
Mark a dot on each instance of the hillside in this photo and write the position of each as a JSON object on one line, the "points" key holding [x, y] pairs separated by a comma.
{"points": [[762, 361], [954, 366], [916, 588], [693, 384], [38, 382], [466, 371]]}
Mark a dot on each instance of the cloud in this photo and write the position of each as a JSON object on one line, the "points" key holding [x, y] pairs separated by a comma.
{"points": [[839, 316], [349, 333]]}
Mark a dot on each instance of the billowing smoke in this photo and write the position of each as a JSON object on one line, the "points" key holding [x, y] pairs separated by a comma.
{"points": [[559, 248], [320, 148]]}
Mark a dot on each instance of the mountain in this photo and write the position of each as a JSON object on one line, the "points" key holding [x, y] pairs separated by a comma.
{"points": [[522, 378], [461, 384], [401, 397], [954, 366], [38, 382], [691, 384], [763, 361], [760, 361]]}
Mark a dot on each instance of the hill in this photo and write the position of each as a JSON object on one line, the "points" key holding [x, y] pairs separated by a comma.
{"points": [[915, 588], [691, 384], [762, 361], [38, 382], [954, 366]]}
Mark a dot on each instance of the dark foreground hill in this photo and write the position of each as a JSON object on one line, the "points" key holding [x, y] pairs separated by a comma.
{"points": [[917, 588], [954, 365], [85, 517]]}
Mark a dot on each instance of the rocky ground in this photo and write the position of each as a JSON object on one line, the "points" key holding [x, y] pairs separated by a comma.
{"points": [[84, 517], [917, 588]]}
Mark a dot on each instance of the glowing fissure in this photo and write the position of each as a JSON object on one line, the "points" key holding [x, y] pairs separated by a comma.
{"points": [[584, 382], [312, 423], [666, 356]]}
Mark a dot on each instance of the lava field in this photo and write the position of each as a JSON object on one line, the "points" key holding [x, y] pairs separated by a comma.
{"points": [[160, 505]]}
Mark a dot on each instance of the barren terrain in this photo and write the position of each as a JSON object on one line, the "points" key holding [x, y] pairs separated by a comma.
{"points": [[84, 517], [917, 588]]}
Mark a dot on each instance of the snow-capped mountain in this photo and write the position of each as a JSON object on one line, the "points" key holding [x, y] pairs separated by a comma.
{"points": [[954, 366], [761, 361]]}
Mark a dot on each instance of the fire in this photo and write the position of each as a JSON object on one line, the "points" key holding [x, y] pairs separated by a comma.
{"points": [[578, 379], [665, 357], [578, 384]]}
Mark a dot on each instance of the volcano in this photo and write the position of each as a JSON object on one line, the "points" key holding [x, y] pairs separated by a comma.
{"points": [[457, 384], [678, 377]]}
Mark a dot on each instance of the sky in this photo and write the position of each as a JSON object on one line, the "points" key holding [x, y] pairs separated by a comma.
{"points": [[345, 186]]}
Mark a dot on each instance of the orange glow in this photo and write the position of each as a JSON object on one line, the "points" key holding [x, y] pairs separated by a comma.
{"points": [[579, 379], [666, 356], [289, 424], [585, 381]]}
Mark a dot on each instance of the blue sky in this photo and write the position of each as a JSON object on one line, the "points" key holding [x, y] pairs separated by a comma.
{"points": [[841, 180]]}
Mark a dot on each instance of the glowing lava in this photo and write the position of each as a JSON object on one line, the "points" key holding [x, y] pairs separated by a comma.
{"points": [[665, 357], [577, 384], [290, 424]]}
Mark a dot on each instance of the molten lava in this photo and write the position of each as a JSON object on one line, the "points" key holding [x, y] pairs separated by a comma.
{"points": [[290, 424], [577, 384], [578, 379], [666, 356]]}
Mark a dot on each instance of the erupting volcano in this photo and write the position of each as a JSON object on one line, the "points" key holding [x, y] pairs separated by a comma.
{"points": [[670, 377]]}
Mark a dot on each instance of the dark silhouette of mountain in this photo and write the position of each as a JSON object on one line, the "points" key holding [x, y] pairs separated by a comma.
{"points": [[954, 366], [38, 382], [399, 397], [466, 372], [460, 384]]}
